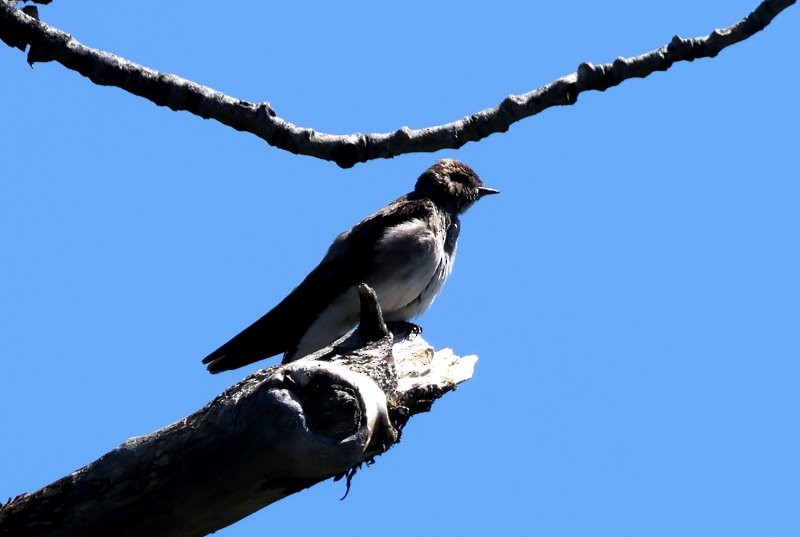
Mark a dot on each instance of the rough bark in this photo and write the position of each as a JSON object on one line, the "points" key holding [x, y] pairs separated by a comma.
{"points": [[45, 43], [276, 432]]}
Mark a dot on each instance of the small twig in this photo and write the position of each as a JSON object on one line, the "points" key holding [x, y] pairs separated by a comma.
{"points": [[371, 325]]}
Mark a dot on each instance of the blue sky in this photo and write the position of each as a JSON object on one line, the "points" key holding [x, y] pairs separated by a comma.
{"points": [[633, 293]]}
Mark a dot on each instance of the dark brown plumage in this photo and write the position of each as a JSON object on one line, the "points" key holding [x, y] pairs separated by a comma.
{"points": [[404, 251]]}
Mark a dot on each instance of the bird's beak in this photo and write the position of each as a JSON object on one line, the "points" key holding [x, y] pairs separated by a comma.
{"points": [[485, 191]]}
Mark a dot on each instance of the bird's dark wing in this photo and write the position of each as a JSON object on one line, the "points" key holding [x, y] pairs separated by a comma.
{"points": [[347, 263]]}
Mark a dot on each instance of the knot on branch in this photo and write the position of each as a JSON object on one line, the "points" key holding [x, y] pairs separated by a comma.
{"points": [[590, 76], [350, 151], [332, 410]]}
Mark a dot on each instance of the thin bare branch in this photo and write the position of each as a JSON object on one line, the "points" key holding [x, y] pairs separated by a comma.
{"points": [[47, 43]]}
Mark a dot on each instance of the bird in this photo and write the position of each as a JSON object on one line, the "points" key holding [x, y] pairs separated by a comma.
{"points": [[404, 251]]}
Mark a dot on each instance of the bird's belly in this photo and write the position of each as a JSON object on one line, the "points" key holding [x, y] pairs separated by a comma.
{"points": [[402, 303], [409, 269], [403, 296]]}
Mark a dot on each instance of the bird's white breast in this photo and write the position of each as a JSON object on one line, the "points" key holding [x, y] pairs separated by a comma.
{"points": [[412, 266]]}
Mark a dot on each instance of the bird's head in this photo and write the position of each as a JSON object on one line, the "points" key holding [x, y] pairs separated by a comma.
{"points": [[452, 184]]}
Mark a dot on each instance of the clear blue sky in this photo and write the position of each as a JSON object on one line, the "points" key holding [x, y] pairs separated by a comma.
{"points": [[633, 293]]}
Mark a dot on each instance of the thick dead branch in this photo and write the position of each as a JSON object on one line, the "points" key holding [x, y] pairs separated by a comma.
{"points": [[47, 43], [276, 432]]}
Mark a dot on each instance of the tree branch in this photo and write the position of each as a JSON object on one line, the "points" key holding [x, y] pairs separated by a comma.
{"points": [[275, 433], [47, 43]]}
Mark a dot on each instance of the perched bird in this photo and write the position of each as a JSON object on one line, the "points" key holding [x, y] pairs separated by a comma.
{"points": [[405, 252]]}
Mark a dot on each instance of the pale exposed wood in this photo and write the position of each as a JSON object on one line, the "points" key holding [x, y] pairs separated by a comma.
{"points": [[276, 432]]}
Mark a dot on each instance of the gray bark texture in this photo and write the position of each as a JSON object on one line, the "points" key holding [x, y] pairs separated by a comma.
{"points": [[23, 30], [277, 432]]}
